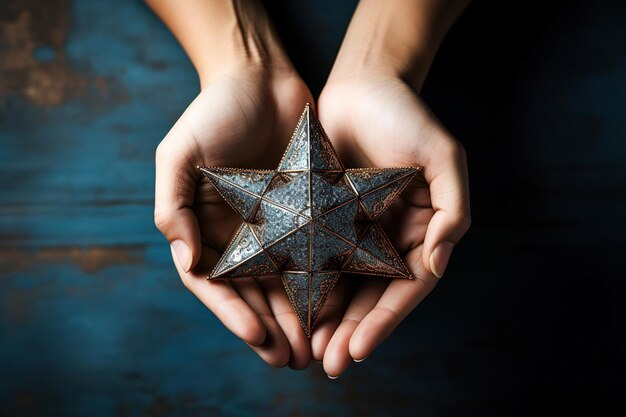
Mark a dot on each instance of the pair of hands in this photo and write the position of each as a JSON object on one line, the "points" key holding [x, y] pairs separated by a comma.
{"points": [[244, 118]]}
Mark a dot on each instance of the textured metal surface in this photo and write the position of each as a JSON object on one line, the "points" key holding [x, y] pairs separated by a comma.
{"points": [[310, 220]]}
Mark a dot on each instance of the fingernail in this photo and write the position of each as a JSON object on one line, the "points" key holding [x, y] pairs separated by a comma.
{"points": [[360, 360], [318, 361], [440, 257], [332, 377], [183, 254]]}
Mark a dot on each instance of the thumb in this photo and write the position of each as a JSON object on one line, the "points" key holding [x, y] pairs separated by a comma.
{"points": [[449, 194], [174, 195]]}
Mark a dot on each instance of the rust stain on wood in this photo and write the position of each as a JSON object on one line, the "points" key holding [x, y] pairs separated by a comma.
{"points": [[29, 27], [18, 304], [90, 259]]}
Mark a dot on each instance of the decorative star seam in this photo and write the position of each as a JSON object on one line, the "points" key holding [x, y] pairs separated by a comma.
{"points": [[309, 220]]}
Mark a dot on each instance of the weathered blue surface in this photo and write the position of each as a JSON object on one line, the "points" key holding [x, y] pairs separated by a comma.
{"points": [[94, 320]]}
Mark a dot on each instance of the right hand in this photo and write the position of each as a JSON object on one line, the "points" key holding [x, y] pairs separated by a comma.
{"points": [[241, 119]]}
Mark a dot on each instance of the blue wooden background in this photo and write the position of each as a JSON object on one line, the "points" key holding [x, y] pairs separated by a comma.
{"points": [[529, 319]]}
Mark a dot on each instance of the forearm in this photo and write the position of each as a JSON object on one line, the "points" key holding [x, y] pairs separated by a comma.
{"points": [[223, 35], [397, 38]]}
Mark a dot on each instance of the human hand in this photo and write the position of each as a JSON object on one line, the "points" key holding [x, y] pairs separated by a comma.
{"points": [[379, 121], [239, 120], [371, 111], [243, 117]]}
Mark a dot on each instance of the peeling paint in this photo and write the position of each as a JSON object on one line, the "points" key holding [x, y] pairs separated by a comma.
{"points": [[26, 28]]}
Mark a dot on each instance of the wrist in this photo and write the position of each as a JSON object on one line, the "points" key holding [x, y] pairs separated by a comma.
{"points": [[258, 53], [395, 39], [244, 41], [356, 64], [223, 36], [384, 57]]}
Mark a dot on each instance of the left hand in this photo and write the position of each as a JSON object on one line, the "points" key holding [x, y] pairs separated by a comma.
{"points": [[379, 121]]}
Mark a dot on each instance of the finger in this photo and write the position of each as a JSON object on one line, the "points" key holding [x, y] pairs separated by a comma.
{"points": [[330, 317], [449, 194], [175, 188], [221, 298], [275, 349], [398, 300], [337, 355], [284, 315]]}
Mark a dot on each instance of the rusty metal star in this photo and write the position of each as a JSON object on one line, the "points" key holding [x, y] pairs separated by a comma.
{"points": [[309, 220]]}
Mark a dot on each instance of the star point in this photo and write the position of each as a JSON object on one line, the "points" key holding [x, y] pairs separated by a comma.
{"points": [[309, 220]]}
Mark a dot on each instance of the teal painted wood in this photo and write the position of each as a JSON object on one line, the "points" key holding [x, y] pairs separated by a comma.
{"points": [[94, 320]]}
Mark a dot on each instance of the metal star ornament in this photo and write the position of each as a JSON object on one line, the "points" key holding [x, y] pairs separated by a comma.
{"points": [[309, 220]]}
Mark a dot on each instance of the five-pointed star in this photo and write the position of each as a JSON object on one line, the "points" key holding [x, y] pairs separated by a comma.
{"points": [[309, 220]]}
